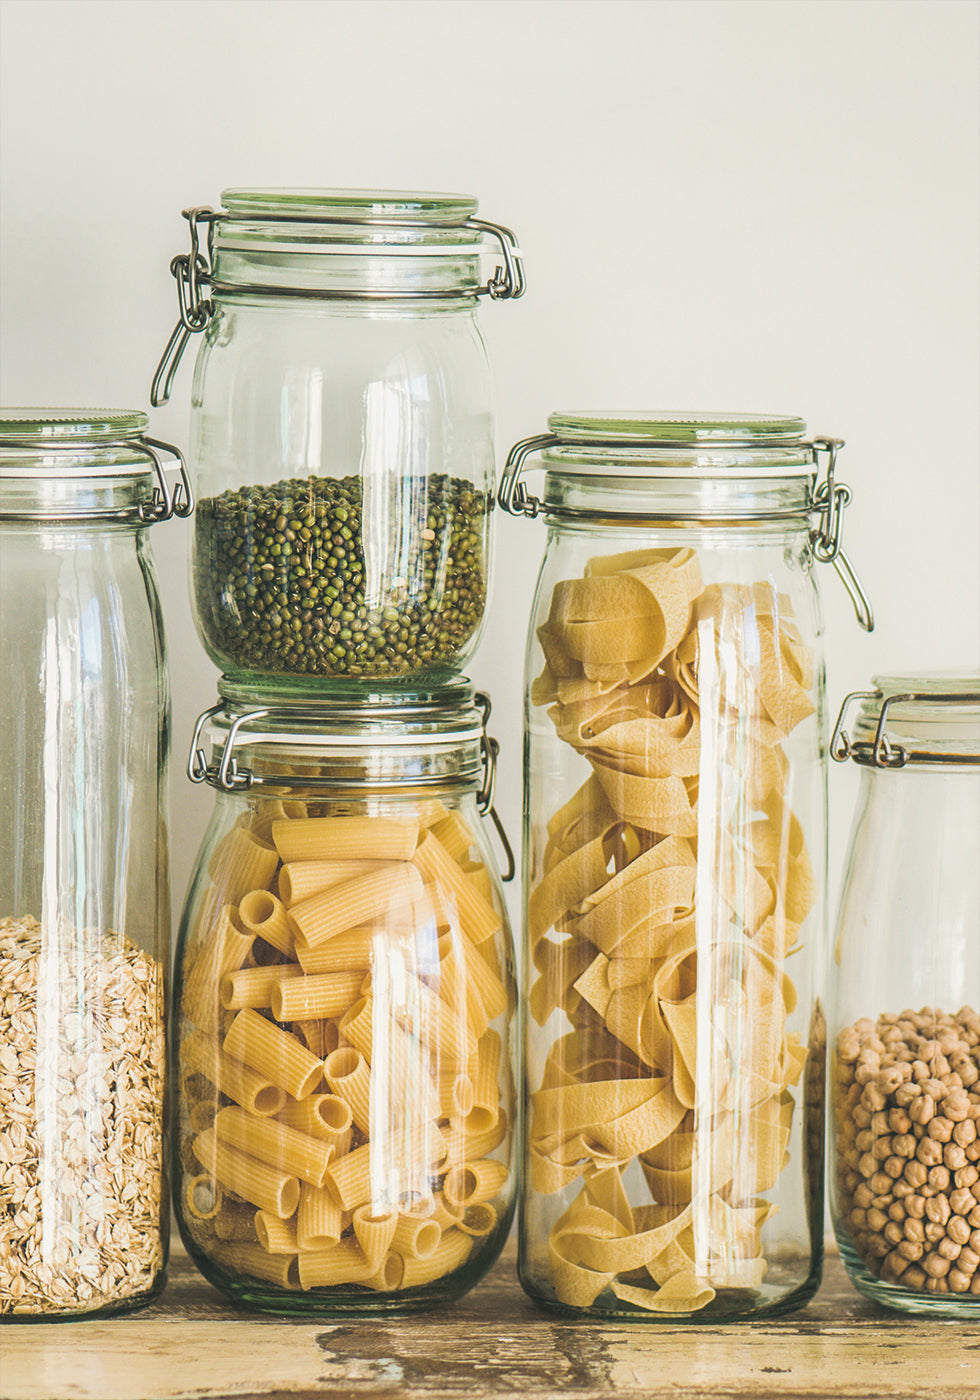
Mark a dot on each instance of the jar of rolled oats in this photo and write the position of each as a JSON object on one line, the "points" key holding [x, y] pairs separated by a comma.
{"points": [[904, 1026], [84, 910]]}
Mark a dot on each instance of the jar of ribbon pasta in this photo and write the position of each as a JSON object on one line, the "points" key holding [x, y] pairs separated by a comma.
{"points": [[345, 1006], [905, 1020], [341, 428], [675, 849], [84, 885]]}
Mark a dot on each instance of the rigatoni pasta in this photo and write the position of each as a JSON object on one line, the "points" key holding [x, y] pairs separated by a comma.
{"points": [[345, 1059]]}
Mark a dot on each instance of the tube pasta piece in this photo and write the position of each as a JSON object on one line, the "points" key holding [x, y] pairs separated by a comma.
{"points": [[475, 1182], [277, 1054], [349, 1076], [466, 1146], [281, 1146], [252, 1260], [348, 1178], [467, 982], [445, 1215], [225, 949], [265, 916], [415, 1238], [255, 1181], [342, 953], [486, 1090], [323, 1116], [274, 1235], [235, 1223], [341, 1263], [479, 1220], [438, 1025], [300, 879], [320, 997], [242, 862], [345, 838], [477, 916], [452, 1251], [319, 1219], [253, 986], [250, 1089], [356, 902], [455, 1091], [357, 1027], [454, 835], [202, 1197], [374, 1233]]}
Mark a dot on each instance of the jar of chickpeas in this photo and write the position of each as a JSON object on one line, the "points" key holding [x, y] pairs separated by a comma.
{"points": [[905, 1019], [344, 1006]]}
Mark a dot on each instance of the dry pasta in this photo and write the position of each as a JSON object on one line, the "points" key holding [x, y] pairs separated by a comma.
{"points": [[612, 921], [343, 1030]]}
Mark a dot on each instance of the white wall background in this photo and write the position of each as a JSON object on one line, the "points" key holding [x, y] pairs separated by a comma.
{"points": [[766, 205]]}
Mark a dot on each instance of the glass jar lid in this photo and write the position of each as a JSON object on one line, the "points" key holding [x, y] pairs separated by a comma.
{"points": [[661, 445], [348, 738], [41, 427], [67, 464], [384, 216], [930, 719]]}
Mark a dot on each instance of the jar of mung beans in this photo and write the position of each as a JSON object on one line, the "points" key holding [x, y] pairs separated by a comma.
{"points": [[904, 1019], [342, 428], [345, 1006]]}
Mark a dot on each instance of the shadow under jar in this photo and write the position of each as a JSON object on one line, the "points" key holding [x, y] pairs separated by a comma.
{"points": [[84, 883], [675, 857], [345, 1008], [905, 1014], [341, 429]]}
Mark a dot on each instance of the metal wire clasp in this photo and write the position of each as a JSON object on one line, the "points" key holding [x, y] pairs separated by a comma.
{"points": [[512, 495], [484, 798], [829, 502], [192, 272]]}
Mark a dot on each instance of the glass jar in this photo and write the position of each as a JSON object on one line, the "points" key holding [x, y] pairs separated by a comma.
{"points": [[345, 1007], [341, 429], [905, 1016], [675, 850], [84, 902]]}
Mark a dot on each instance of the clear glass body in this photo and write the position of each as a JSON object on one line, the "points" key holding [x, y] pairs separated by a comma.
{"points": [[84, 903], [904, 1024], [675, 854], [344, 457], [345, 1015]]}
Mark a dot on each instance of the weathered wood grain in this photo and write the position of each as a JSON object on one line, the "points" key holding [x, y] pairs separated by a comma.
{"points": [[192, 1345]]}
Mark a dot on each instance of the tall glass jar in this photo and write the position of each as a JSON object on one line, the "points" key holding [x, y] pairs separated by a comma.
{"points": [[905, 1015], [341, 429], [345, 1007], [675, 851], [84, 903]]}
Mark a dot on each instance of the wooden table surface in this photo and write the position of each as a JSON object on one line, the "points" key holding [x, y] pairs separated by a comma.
{"points": [[191, 1343]]}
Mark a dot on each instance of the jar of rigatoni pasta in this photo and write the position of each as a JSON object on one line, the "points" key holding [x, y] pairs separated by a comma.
{"points": [[675, 848], [344, 1005]]}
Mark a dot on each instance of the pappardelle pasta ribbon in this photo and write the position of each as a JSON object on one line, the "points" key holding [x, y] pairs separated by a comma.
{"points": [[671, 889]]}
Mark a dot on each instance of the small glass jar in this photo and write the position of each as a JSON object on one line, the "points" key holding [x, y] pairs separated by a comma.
{"points": [[345, 1007], [675, 851], [341, 430], [904, 1021], [84, 896]]}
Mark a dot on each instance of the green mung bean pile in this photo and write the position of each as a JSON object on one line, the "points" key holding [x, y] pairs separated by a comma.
{"points": [[283, 585]]}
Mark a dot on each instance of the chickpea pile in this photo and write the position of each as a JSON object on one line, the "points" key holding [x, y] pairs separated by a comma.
{"points": [[907, 1107]]}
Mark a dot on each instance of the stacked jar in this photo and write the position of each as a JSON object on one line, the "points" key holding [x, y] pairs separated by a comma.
{"points": [[344, 997]]}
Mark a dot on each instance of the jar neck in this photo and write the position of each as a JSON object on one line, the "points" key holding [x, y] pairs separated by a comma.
{"points": [[87, 496], [376, 276], [784, 504]]}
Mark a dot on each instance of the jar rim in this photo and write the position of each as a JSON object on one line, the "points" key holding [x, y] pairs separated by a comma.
{"points": [[354, 205], [931, 718], [656, 428], [71, 427]]}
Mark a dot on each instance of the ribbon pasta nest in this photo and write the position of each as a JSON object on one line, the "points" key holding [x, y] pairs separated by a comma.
{"points": [[344, 1093], [671, 889]]}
